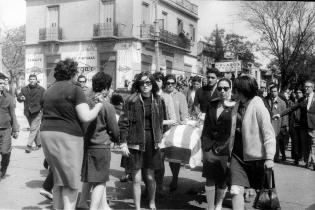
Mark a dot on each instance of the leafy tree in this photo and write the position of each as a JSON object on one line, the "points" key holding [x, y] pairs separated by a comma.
{"points": [[13, 52], [215, 39], [240, 48], [287, 29]]}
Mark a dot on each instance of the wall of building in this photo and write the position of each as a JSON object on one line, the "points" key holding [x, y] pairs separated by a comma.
{"points": [[77, 19], [35, 19], [124, 12]]}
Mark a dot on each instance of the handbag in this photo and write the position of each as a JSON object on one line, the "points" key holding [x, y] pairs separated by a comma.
{"points": [[267, 197]]}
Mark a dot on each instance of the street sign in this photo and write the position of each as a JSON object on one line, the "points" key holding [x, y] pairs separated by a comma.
{"points": [[233, 66]]}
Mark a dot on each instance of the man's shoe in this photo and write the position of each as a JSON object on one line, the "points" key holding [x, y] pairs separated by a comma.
{"points": [[38, 147], [28, 149], [46, 194]]}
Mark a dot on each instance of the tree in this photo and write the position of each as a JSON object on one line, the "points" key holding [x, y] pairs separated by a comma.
{"points": [[216, 38], [13, 52], [240, 48], [286, 28], [234, 44]]}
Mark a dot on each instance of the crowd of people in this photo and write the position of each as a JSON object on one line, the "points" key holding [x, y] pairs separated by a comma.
{"points": [[244, 131]]}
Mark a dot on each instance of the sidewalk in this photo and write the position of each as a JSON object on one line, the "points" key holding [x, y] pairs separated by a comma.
{"points": [[20, 189]]}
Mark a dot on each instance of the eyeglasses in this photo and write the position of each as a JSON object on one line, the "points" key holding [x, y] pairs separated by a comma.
{"points": [[147, 83], [223, 88], [81, 81], [170, 83]]}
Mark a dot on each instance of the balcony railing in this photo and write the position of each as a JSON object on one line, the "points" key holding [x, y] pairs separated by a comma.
{"points": [[173, 39], [50, 34], [147, 32], [106, 30], [187, 5]]}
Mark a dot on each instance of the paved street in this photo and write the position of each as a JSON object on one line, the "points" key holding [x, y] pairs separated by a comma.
{"points": [[19, 190]]}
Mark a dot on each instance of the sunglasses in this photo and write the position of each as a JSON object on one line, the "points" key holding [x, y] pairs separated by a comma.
{"points": [[170, 83], [147, 83], [223, 88]]}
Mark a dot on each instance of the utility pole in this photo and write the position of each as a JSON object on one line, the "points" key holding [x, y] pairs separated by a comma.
{"points": [[156, 36]]}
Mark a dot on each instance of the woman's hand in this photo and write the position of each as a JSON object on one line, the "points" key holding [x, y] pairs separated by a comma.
{"points": [[124, 149], [269, 164]]}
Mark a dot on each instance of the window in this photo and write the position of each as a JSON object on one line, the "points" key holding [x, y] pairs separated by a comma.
{"points": [[163, 21], [145, 18], [192, 33], [169, 66], [146, 62], [52, 22], [180, 26]]}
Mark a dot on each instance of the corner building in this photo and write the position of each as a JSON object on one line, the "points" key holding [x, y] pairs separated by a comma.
{"points": [[114, 36]]}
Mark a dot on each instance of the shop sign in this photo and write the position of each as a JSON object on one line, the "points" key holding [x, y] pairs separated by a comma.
{"points": [[34, 64], [234, 66], [87, 63]]}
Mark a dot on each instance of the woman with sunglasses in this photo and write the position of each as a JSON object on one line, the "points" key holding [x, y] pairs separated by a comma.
{"points": [[215, 144], [181, 111], [141, 127]]}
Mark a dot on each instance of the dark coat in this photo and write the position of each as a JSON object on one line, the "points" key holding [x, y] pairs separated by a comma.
{"points": [[33, 99], [216, 131], [131, 122]]}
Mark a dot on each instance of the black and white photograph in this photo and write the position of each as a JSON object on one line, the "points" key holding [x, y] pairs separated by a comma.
{"points": [[157, 104]]}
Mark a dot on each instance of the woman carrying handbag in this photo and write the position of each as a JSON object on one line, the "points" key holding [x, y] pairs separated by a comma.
{"points": [[252, 140]]}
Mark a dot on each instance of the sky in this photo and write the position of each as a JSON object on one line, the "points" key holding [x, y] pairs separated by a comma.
{"points": [[210, 12]]}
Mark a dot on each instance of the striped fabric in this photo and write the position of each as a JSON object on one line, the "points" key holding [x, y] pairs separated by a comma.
{"points": [[178, 140]]}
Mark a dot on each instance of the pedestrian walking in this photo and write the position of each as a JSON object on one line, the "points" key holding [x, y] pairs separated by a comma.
{"points": [[203, 95], [181, 112], [32, 95], [190, 94], [215, 145], [297, 130], [307, 111], [141, 127], [97, 155], [8, 126], [280, 125], [64, 108], [252, 140]]}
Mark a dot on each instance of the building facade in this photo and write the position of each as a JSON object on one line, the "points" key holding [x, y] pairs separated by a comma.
{"points": [[114, 36]]}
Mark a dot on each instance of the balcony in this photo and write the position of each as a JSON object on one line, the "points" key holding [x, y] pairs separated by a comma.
{"points": [[110, 30], [50, 34], [186, 5], [165, 37]]}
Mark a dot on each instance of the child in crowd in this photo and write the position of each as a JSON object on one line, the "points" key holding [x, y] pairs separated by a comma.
{"points": [[97, 155], [118, 102]]}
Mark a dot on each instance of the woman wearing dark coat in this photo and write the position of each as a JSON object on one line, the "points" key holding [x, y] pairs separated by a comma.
{"points": [[141, 129], [215, 144]]}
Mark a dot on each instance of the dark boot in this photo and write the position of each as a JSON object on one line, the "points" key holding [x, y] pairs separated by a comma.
{"points": [[4, 164]]}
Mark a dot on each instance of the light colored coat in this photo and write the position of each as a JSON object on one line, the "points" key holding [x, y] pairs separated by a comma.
{"points": [[259, 141]]}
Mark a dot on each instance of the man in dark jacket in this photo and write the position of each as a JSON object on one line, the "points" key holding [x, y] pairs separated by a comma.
{"points": [[8, 126], [32, 95], [204, 94]]}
